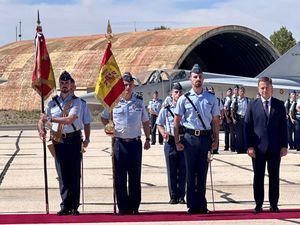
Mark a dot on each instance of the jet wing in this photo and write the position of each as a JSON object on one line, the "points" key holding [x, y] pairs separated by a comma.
{"points": [[252, 82]]}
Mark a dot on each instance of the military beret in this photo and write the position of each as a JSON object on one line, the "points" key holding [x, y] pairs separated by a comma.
{"points": [[196, 69], [127, 77], [177, 86], [65, 76]]}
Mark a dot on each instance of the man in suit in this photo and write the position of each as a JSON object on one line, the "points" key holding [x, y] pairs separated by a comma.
{"points": [[266, 142]]}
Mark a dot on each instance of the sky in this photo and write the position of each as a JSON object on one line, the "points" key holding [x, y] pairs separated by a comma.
{"points": [[63, 18]]}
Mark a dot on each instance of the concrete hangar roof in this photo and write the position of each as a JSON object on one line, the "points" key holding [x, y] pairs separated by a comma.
{"points": [[231, 49]]}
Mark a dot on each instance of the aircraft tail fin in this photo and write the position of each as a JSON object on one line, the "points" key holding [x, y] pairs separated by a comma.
{"points": [[286, 66]]}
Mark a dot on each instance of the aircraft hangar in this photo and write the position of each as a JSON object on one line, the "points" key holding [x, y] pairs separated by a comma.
{"points": [[232, 49]]}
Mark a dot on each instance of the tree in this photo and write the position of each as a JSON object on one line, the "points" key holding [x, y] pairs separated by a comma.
{"points": [[283, 40], [160, 28]]}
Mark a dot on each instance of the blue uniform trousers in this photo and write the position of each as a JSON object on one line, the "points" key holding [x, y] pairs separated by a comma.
{"points": [[128, 161], [68, 164], [291, 134], [240, 136], [153, 131], [297, 132], [175, 170], [196, 150]]}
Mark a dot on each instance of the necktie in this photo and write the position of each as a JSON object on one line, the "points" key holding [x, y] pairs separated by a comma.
{"points": [[266, 108]]}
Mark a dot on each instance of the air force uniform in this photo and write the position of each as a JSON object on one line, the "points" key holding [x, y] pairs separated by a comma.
{"points": [[127, 117], [175, 160], [197, 143], [155, 105], [68, 150]]}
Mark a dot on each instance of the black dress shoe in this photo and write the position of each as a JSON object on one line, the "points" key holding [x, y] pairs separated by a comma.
{"points": [[173, 201], [64, 212], [204, 211], [257, 210], [181, 201], [75, 212], [191, 211], [135, 212], [274, 209]]}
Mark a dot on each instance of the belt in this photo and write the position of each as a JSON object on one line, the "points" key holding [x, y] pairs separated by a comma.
{"points": [[73, 134], [127, 139], [198, 133]]}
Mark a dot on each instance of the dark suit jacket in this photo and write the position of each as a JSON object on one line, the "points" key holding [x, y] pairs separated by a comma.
{"points": [[265, 133]]}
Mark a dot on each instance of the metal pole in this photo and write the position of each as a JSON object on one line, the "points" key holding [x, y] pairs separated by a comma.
{"points": [[210, 158], [82, 180], [113, 174], [45, 157]]}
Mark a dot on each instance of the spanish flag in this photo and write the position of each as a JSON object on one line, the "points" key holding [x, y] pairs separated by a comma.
{"points": [[109, 86], [43, 80]]}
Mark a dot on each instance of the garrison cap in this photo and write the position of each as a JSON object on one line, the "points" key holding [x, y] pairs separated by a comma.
{"points": [[127, 77], [196, 69], [65, 76], [177, 86]]}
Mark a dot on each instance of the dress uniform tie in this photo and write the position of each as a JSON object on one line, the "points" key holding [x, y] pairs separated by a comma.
{"points": [[266, 108]]}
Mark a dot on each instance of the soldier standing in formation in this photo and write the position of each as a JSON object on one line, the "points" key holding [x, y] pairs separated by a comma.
{"points": [[227, 123], [128, 115], [238, 111], [62, 116], [154, 107], [290, 108], [201, 117], [174, 159]]}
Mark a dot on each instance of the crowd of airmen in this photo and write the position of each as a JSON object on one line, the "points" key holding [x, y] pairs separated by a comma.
{"points": [[186, 122]]}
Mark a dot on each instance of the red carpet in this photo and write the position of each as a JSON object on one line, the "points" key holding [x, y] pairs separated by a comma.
{"points": [[146, 217]]}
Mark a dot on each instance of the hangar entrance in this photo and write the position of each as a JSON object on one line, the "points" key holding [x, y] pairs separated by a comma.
{"points": [[232, 53]]}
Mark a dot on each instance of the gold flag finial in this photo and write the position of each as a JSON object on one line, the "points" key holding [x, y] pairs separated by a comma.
{"points": [[108, 34]]}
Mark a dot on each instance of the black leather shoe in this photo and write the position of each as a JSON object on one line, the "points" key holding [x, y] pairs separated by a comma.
{"points": [[173, 201], [191, 211], [274, 209], [257, 210], [135, 212], [204, 211], [64, 212], [75, 212], [181, 201]]}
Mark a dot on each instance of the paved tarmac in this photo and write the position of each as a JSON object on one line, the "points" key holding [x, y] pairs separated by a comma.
{"points": [[22, 179]]}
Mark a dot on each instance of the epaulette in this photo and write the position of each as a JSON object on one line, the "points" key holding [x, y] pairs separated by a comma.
{"points": [[187, 94], [54, 97], [139, 95]]}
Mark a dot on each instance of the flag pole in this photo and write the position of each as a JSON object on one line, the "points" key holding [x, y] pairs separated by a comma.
{"points": [[110, 127], [44, 139]]}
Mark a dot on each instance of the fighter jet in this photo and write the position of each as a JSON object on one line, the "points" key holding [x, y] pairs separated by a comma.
{"points": [[285, 73], [2, 80]]}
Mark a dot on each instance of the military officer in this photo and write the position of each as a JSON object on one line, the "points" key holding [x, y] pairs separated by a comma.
{"points": [[128, 116], [154, 107], [201, 117], [62, 115], [174, 159], [239, 107]]}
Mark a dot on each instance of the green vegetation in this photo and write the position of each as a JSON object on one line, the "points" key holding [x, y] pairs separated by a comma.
{"points": [[283, 40]]}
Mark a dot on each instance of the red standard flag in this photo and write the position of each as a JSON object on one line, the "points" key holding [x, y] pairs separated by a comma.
{"points": [[43, 80], [109, 86]]}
